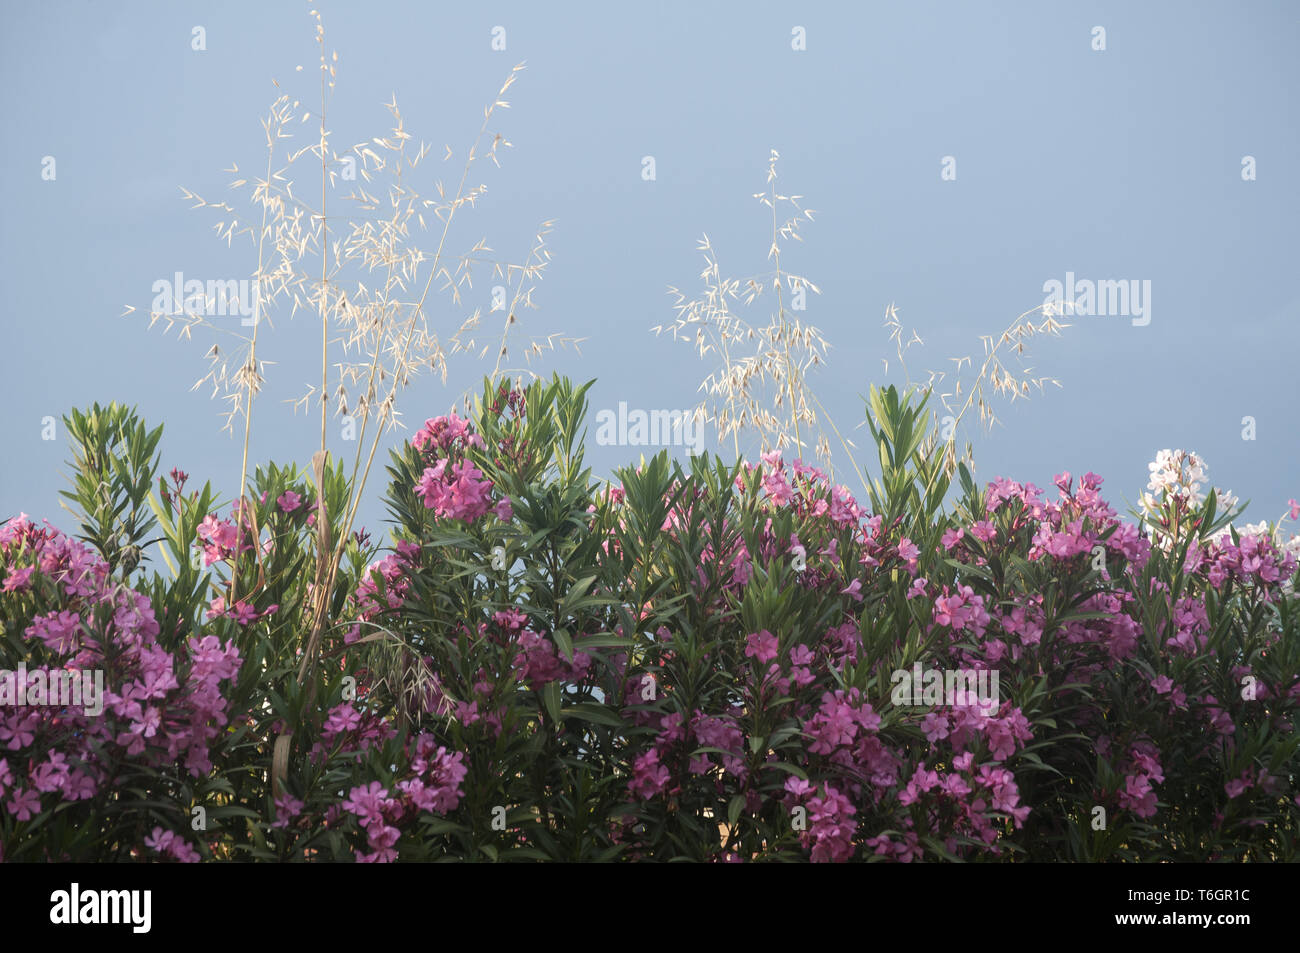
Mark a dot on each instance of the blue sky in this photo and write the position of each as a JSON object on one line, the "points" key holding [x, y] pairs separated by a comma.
{"points": [[1117, 164]]}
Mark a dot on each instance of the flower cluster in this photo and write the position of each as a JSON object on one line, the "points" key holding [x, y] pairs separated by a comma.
{"points": [[394, 574], [157, 710], [452, 486], [223, 539], [696, 664], [859, 770], [433, 786], [538, 663]]}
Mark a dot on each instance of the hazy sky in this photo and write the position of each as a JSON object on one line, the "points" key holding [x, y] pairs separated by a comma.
{"points": [[1117, 164]]}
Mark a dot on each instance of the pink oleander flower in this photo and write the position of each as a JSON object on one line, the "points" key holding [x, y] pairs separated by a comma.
{"points": [[831, 828], [169, 844], [934, 726], [160, 840], [1138, 796], [58, 630], [367, 802], [1239, 786], [776, 488], [539, 664], [18, 580], [721, 733], [287, 807], [341, 719], [649, 777], [441, 433], [1006, 732], [844, 509], [762, 646], [289, 501], [798, 788], [961, 611], [457, 492], [25, 804], [802, 660]]}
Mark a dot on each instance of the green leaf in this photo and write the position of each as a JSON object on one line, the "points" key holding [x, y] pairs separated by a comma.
{"points": [[564, 643], [607, 642], [595, 713], [551, 698], [733, 810]]}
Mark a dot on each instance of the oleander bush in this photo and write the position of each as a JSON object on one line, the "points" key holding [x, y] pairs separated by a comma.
{"points": [[700, 660], [709, 659]]}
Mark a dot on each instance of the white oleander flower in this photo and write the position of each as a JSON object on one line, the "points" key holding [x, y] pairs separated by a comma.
{"points": [[1224, 500]]}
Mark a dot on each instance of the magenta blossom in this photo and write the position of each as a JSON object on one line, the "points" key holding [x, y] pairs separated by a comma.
{"points": [[762, 646]]}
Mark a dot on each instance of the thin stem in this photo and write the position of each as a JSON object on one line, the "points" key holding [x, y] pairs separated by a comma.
{"points": [[780, 319], [322, 598], [252, 359], [325, 257]]}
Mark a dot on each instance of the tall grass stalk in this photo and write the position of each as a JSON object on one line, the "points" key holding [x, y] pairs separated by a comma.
{"points": [[396, 336]]}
